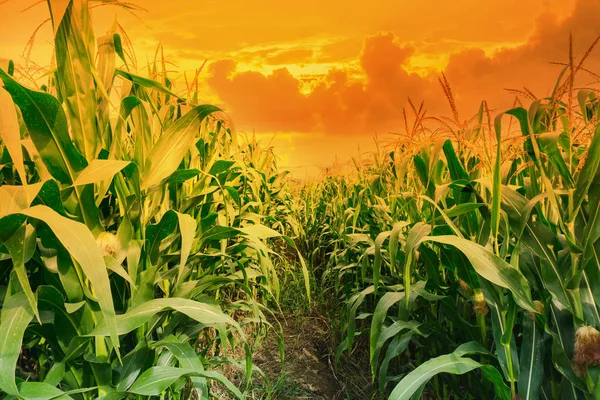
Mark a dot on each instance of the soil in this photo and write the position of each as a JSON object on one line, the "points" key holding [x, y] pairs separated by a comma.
{"points": [[308, 372], [308, 363]]}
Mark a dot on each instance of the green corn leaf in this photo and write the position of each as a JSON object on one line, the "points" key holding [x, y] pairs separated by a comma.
{"points": [[106, 64], [204, 313], [457, 171], [144, 82], [133, 364], [393, 246], [460, 209], [539, 239], [49, 195], [187, 227], [449, 363], [453, 363], [531, 360], [188, 359], [16, 198], [588, 172], [156, 233], [495, 377], [259, 231], [303, 266], [156, 379], [219, 233], [220, 166], [21, 246], [497, 181], [16, 316], [42, 391], [391, 331], [549, 145], [396, 347], [81, 245], [378, 257], [422, 170], [172, 146], [75, 77], [47, 126], [492, 268], [51, 301], [99, 171], [182, 175], [55, 375], [10, 132], [58, 8], [114, 396], [379, 316], [415, 237], [353, 304]]}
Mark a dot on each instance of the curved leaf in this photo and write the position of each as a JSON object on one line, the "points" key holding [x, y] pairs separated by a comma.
{"points": [[453, 363], [492, 268], [81, 245], [204, 313]]}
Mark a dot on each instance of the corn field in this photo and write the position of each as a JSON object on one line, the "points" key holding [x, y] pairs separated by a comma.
{"points": [[142, 242]]}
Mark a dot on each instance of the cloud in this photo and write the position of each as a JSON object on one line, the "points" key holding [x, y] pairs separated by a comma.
{"points": [[336, 104], [270, 103], [476, 75], [339, 103]]}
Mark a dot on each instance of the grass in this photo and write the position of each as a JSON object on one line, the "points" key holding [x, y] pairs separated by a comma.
{"points": [[284, 387], [146, 249]]}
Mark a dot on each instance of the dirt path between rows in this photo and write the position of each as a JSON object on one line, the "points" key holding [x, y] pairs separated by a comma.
{"points": [[308, 372]]}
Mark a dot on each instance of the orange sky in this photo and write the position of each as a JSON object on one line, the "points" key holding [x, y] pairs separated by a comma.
{"points": [[322, 77]]}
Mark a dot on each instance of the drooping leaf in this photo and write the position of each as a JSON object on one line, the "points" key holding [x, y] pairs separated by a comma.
{"points": [[81, 245], [492, 268], [453, 363], [144, 82], [204, 313], [156, 379]]}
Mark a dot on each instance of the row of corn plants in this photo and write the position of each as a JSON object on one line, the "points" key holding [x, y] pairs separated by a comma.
{"points": [[467, 264], [136, 234]]}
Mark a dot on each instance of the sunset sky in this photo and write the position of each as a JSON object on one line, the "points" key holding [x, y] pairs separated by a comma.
{"points": [[321, 78]]}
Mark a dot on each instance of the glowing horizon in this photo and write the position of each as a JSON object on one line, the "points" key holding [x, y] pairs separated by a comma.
{"points": [[307, 76]]}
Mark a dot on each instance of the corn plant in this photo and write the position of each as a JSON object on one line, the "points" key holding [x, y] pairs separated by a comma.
{"points": [[134, 228], [460, 263]]}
